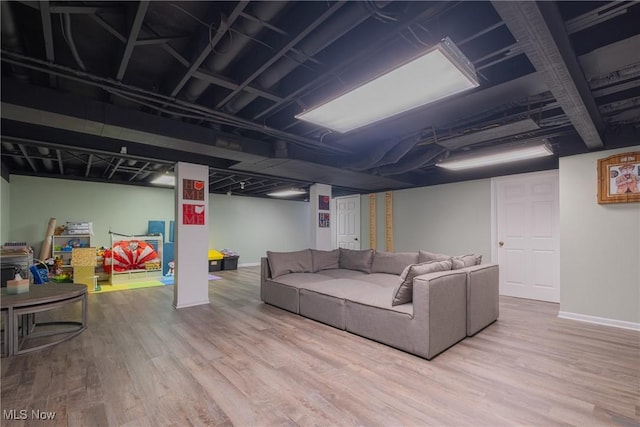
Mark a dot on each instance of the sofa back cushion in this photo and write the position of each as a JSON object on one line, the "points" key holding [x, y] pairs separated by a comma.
{"points": [[404, 291], [463, 261], [392, 262], [290, 262], [424, 256], [325, 260], [356, 260]]}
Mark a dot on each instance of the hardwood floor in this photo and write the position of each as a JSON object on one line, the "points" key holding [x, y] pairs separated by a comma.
{"points": [[240, 362]]}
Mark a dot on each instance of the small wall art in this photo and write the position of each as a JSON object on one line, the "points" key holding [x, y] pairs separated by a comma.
{"points": [[323, 220], [619, 178], [323, 202]]}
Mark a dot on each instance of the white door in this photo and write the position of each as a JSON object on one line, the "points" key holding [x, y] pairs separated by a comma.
{"points": [[348, 229], [527, 217]]}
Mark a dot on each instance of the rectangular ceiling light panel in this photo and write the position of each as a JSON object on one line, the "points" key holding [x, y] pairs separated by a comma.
{"points": [[440, 72], [165, 179], [494, 157], [287, 193]]}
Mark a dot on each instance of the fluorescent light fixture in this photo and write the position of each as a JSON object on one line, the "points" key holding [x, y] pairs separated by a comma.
{"points": [[165, 179], [493, 157], [287, 193], [437, 73]]}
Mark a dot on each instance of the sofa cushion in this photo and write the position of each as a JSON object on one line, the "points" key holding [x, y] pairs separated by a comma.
{"points": [[343, 273], [290, 262], [356, 260], [325, 260], [403, 293], [385, 280], [424, 256], [392, 262], [298, 280], [463, 261]]}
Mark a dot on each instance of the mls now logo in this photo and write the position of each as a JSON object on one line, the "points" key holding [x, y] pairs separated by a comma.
{"points": [[23, 414]]}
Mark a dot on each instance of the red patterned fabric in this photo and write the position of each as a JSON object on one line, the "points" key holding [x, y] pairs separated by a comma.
{"points": [[129, 255]]}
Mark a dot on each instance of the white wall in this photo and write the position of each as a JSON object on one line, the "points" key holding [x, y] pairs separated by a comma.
{"points": [[5, 212], [599, 245], [250, 226], [450, 218]]}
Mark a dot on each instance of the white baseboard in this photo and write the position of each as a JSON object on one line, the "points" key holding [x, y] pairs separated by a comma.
{"points": [[248, 264], [599, 320]]}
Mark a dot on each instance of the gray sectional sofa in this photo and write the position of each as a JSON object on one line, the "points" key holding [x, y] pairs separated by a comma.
{"points": [[419, 302]]}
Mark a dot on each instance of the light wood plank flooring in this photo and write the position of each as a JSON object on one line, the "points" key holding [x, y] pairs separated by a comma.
{"points": [[240, 362]]}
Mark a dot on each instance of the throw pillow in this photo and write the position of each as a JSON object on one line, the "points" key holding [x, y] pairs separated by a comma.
{"points": [[356, 260], [392, 262], [463, 261], [424, 256], [290, 262], [325, 260], [403, 293]]}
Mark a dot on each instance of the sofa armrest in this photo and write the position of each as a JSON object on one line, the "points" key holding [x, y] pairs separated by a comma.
{"points": [[440, 303], [265, 273], [482, 296]]}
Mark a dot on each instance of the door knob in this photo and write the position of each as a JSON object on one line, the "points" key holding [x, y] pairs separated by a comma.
{"points": [[501, 243], [355, 238]]}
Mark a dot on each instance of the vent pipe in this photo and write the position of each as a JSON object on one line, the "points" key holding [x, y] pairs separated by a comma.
{"points": [[229, 47], [354, 14]]}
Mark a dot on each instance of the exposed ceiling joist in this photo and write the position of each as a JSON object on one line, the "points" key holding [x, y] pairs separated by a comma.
{"points": [[134, 30], [540, 31], [208, 48]]}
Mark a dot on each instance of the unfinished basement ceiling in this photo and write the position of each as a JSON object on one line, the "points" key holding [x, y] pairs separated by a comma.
{"points": [[119, 91]]}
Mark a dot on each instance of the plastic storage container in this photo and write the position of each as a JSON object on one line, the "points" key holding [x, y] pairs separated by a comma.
{"points": [[230, 262], [215, 260]]}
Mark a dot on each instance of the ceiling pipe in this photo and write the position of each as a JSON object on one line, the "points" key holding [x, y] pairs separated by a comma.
{"points": [[354, 14], [231, 46], [48, 163], [10, 39], [69, 38], [11, 148]]}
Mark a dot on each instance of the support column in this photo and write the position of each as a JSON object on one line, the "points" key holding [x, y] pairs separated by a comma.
{"points": [[322, 221], [191, 285]]}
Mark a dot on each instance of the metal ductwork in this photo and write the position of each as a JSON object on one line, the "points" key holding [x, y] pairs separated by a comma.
{"points": [[232, 46], [10, 39], [48, 163], [377, 156], [10, 147], [68, 36], [412, 163], [354, 14]]}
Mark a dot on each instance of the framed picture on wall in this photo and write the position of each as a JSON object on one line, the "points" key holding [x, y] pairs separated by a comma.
{"points": [[619, 178]]}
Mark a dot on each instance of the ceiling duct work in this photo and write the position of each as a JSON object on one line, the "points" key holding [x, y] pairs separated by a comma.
{"points": [[48, 163], [11, 148], [10, 39], [497, 132], [68, 36], [232, 46], [354, 14], [382, 154], [414, 162]]}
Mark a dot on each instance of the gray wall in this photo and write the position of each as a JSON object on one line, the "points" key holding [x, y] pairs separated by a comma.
{"points": [[600, 245], [249, 226], [450, 218]]}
